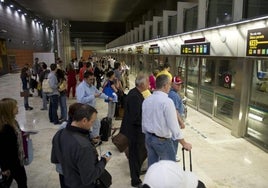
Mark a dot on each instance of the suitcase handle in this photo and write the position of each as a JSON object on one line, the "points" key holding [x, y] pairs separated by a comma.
{"points": [[183, 159]]}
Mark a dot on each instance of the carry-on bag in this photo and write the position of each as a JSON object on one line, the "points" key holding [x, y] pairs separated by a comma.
{"points": [[106, 128], [200, 183], [120, 141]]}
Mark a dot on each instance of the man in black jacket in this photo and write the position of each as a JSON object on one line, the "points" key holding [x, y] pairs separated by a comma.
{"points": [[132, 128], [76, 154]]}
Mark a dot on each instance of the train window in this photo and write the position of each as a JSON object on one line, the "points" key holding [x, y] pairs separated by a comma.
{"points": [[255, 8], [261, 82], [219, 12], [190, 19], [262, 69], [207, 72]]}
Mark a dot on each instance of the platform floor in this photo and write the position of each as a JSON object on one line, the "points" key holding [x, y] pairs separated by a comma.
{"points": [[219, 159]]}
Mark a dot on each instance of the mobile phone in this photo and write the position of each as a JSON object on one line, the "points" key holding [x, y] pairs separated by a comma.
{"points": [[108, 154]]}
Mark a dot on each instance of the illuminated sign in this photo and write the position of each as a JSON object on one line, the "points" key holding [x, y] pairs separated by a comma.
{"points": [[196, 49], [139, 49], [257, 42], [154, 50], [227, 80], [129, 50]]}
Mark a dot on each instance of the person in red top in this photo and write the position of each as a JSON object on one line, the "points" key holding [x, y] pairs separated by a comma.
{"points": [[82, 70], [152, 78], [71, 80], [86, 67]]}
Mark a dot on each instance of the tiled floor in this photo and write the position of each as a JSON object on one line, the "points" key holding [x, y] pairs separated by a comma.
{"points": [[219, 159]]}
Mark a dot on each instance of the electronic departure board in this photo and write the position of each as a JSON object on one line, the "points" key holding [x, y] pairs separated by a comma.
{"points": [[139, 49], [154, 50], [257, 42], [196, 49]]}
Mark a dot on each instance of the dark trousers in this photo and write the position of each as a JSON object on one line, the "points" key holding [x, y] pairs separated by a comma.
{"points": [[53, 108], [19, 175], [26, 99], [137, 155], [62, 182]]}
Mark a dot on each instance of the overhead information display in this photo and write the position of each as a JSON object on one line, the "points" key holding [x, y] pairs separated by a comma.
{"points": [[196, 49], [257, 42]]}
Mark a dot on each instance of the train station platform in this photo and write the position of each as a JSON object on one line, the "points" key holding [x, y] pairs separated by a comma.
{"points": [[219, 159]]}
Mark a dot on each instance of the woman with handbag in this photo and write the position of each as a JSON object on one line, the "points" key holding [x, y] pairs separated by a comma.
{"points": [[11, 144], [25, 75], [62, 88]]}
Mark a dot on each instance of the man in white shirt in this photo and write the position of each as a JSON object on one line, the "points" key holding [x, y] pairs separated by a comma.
{"points": [[160, 124]]}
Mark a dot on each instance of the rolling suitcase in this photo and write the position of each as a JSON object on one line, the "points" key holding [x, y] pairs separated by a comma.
{"points": [[106, 128], [200, 183]]}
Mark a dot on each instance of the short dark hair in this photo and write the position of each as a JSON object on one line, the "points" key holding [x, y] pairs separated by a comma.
{"points": [[44, 65], [166, 65], [85, 111], [72, 108], [53, 66], [117, 65], [88, 74], [161, 81], [109, 74]]}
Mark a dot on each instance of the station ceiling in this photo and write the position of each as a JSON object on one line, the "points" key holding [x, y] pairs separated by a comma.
{"points": [[97, 22]]}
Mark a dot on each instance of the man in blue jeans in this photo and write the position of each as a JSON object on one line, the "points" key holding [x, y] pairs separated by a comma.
{"points": [[54, 95], [160, 124]]}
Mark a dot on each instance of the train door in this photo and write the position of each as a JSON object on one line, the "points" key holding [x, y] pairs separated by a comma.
{"points": [[192, 81], [257, 118], [180, 70], [207, 83], [210, 87], [224, 91], [130, 62]]}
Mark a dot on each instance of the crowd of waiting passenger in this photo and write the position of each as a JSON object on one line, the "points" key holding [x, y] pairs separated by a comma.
{"points": [[152, 122]]}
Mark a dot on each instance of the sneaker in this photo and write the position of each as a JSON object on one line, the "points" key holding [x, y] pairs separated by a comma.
{"points": [[43, 109]]}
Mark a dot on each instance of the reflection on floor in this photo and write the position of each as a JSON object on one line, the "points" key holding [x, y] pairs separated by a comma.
{"points": [[219, 159]]}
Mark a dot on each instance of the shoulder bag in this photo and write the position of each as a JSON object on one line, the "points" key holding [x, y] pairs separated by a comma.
{"points": [[120, 141], [105, 180]]}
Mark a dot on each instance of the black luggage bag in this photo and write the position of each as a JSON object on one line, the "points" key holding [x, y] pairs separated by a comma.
{"points": [[106, 128], [200, 183]]}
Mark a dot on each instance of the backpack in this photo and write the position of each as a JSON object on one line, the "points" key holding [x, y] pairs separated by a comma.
{"points": [[46, 87]]}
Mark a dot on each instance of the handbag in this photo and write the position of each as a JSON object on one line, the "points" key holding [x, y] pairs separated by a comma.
{"points": [[24, 93], [105, 180], [62, 86], [120, 141]]}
